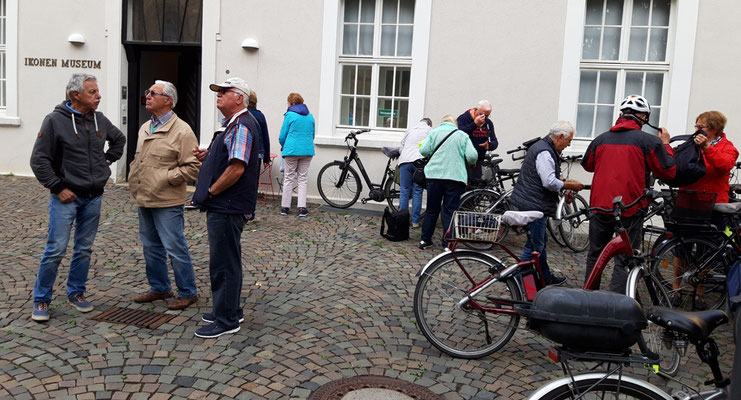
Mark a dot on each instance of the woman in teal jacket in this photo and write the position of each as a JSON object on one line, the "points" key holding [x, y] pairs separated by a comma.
{"points": [[297, 141], [446, 174]]}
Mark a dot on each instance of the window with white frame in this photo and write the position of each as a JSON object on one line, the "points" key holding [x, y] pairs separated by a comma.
{"points": [[375, 63], [3, 51], [624, 52]]}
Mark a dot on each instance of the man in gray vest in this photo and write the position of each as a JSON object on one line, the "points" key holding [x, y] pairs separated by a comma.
{"points": [[537, 190]]}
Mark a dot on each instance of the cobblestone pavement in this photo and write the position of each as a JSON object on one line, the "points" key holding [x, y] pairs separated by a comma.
{"points": [[325, 298]]}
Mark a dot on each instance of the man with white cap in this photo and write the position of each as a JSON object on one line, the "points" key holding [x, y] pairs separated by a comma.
{"points": [[225, 188]]}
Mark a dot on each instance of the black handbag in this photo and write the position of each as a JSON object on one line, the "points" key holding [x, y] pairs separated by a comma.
{"points": [[418, 176], [689, 161]]}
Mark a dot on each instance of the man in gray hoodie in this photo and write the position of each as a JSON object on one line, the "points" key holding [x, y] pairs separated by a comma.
{"points": [[70, 160]]}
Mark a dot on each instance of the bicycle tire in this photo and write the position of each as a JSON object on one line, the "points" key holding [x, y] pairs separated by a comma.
{"points": [[610, 388], [692, 253], [343, 195], [485, 201], [647, 290], [575, 231], [392, 190], [460, 331], [552, 225]]}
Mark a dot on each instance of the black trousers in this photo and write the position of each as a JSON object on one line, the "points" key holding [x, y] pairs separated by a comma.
{"points": [[225, 265], [601, 231]]}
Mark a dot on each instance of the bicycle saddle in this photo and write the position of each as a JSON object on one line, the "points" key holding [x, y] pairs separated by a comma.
{"points": [[697, 325], [514, 171], [520, 218], [391, 152], [727, 208]]}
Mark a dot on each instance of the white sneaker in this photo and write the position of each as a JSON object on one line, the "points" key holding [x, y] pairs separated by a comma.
{"points": [[415, 225]]}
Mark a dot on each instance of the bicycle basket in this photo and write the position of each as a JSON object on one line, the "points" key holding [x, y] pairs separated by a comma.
{"points": [[691, 206], [467, 225]]}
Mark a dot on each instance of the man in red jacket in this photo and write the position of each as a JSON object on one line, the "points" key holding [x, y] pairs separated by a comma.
{"points": [[622, 160]]}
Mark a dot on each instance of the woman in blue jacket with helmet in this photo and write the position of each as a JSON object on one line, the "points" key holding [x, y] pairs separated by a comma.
{"points": [[297, 141]]}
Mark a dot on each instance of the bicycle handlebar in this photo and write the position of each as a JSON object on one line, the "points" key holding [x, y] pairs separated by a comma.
{"points": [[617, 204]]}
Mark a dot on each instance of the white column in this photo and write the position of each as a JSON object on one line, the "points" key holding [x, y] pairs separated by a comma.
{"points": [[112, 102], [209, 34], [682, 64]]}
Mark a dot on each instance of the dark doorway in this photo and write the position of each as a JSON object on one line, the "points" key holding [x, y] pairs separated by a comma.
{"points": [[181, 66], [162, 39]]}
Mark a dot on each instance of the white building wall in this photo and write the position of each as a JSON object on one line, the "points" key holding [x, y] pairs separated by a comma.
{"points": [[716, 82], [43, 33]]}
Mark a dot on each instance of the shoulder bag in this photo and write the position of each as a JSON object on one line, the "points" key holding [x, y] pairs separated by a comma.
{"points": [[419, 173]]}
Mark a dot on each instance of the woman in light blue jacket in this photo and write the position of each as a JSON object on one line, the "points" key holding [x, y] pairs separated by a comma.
{"points": [[446, 174], [297, 141]]}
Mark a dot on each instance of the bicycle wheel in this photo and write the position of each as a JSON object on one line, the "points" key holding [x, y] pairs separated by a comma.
{"points": [[596, 386], [575, 231], [685, 265], [553, 232], [485, 201], [392, 190], [339, 187], [464, 332], [647, 290], [653, 226]]}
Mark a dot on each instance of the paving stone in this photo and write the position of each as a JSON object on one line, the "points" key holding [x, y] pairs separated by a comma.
{"points": [[324, 298]]}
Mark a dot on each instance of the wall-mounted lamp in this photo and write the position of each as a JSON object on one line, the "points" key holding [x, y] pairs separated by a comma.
{"points": [[250, 44], [76, 38]]}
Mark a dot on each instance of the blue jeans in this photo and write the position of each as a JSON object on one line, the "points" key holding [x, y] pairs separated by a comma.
{"points": [[85, 214], [161, 232], [225, 265], [408, 187], [448, 193], [538, 243]]}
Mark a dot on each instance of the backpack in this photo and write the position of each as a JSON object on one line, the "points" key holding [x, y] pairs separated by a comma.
{"points": [[689, 161], [398, 225]]}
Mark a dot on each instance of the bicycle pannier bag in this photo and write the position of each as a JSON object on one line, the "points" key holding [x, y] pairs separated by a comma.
{"points": [[397, 223], [733, 283], [586, 319], [690, 163]]}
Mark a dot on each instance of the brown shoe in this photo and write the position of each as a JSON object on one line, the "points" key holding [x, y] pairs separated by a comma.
{"points": [[150, 297], [181, 303]]}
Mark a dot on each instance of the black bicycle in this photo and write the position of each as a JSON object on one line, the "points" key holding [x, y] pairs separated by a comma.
{"points": [[340, 186]]}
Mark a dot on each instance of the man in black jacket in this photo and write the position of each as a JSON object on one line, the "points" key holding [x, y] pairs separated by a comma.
{"points": [[537, 190], [70, 160], [476, 123]]}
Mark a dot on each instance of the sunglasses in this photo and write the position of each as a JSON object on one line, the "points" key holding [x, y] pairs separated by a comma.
{"points": [[153, 93]]}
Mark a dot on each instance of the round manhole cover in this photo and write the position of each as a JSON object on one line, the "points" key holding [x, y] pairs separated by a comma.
{"points": [[371, 387]]}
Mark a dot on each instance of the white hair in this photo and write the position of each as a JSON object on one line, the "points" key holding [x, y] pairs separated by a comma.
{"points": [[484, 105], [169, 91], [76, 81], [562, 129]]}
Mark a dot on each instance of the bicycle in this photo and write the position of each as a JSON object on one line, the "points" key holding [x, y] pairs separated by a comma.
{"points": [[340, 186], [697, 254], [612, 383], [574, 233], [492, 195], [464, 299]]}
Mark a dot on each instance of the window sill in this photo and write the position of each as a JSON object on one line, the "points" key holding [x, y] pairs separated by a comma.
{"points": [[10, 121], [369, 140]]}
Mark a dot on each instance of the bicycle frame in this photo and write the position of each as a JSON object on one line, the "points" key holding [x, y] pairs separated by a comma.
{"points": [[619, 245]]}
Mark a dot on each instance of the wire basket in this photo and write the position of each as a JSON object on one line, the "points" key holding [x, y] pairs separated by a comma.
{"points": [[468, 225], [691, 206]]}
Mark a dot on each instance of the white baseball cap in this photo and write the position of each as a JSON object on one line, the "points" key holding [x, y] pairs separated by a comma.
{"points": [[236, 83]]}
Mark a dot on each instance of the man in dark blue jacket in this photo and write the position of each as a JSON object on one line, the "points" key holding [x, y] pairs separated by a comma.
{"points": [[476, 123], [264, 150], [225, 189], [69, 158], [537, 190]]}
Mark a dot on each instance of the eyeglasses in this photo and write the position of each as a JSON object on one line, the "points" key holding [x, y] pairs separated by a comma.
{"points": [[224, 91], [701, 127], [153, 93]]}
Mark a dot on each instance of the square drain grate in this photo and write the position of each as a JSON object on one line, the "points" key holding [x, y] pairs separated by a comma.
{"points": [[139, 318]]}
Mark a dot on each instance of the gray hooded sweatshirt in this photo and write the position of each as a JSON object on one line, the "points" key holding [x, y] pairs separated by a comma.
{"points": [[69, 152]]}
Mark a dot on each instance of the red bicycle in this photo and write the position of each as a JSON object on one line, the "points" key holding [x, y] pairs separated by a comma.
{"points": [[464, 301]]}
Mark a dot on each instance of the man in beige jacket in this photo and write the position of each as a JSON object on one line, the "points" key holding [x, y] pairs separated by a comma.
{"points": [[164, 163]]}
